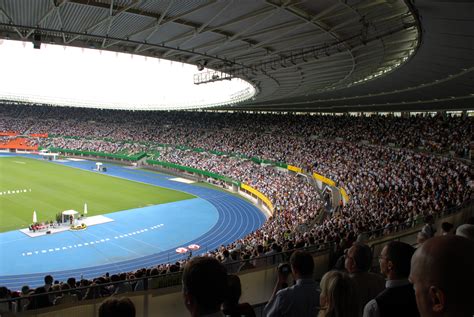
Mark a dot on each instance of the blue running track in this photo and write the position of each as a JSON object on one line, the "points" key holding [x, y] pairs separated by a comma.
{"points": [[137, 238]]}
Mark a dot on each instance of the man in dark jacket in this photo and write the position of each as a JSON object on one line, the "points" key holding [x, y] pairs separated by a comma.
{"points": [[398, 298], [368, 285]]}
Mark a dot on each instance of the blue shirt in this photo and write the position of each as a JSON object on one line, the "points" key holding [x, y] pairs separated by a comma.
{"points": [[299, 300]]}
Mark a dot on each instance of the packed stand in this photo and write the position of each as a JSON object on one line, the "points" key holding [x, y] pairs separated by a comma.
{"points": [[388, 187]]}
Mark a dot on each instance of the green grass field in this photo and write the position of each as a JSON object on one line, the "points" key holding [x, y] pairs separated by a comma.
{"points": [[52, 188]]}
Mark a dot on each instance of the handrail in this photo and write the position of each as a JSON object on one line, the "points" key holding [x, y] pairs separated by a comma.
{"points": [[174, 279]]}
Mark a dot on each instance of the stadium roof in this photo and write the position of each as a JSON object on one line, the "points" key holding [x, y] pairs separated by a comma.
{"points": [[318, 56]]}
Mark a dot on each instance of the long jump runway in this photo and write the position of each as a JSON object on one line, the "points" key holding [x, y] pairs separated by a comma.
{"points": [[137, 238]]}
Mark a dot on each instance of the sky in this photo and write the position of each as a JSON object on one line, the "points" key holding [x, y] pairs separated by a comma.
{"points": [[73, 76]]}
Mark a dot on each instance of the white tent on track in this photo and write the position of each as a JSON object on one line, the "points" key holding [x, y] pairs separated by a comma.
{"points": [[68, 213]]}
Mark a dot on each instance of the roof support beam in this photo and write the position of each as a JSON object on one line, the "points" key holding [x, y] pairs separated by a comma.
{"points": [[11, 21], [156, 27], [52, 10], [108, 18], [158, 23]]}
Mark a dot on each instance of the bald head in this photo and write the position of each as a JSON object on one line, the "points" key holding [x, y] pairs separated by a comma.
{"points": [[466, 231], [442, 272]]}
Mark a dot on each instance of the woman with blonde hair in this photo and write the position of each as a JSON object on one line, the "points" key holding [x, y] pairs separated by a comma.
{"points": [[338, 296]]}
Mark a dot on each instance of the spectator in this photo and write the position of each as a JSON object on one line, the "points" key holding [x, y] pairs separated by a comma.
{"points": [[368, 285], [446, 228], [48, 282], [24, 301], [421, 237], [66, 297], [442, 273], [429, 228], [398, 298], [5, 306], [338, 295], [39, 299], [231, 306], [204, 286], [301, 299], [466, 231], [117, 307], [246, 265], [72, 286]]}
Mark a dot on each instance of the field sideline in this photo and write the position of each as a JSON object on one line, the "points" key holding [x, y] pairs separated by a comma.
{"points": [[51, 188]]}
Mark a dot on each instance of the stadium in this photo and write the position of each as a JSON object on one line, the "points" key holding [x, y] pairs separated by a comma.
{"points": [[138, 138]]}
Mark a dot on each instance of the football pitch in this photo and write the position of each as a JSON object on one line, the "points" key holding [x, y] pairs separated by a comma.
{"points": [[28, 185]]}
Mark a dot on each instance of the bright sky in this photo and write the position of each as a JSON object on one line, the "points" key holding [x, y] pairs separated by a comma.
{"points": [[72, 76]]}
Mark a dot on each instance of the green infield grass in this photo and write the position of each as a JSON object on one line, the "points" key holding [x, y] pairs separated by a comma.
{"points": [[27, 185]]}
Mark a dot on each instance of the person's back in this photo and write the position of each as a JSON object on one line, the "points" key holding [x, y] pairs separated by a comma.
{"points": [[204, 286], [338, 295], [4, 306], [368, 285], [231, 306], [117, 307], [67, 297]]}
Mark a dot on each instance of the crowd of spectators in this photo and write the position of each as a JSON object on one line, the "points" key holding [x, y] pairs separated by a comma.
{"points": [[94, 145], [243, 132], [389, 184]]}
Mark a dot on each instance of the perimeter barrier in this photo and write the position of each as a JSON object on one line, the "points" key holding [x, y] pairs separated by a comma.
{"points": [[132, 158]]}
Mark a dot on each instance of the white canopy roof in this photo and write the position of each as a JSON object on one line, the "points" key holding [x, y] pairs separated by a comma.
{"points": [[69, 212]]}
